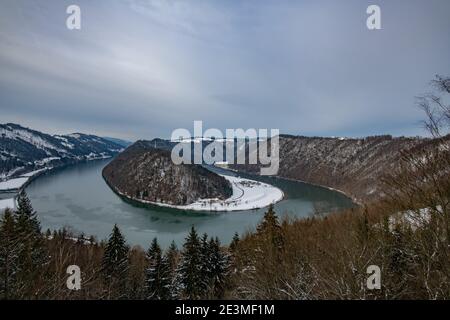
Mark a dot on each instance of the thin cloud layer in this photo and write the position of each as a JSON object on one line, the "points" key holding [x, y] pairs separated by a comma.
{"points": [[141, 68]]}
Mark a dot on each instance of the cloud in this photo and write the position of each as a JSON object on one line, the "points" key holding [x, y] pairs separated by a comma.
{"points": [[141, 68]]}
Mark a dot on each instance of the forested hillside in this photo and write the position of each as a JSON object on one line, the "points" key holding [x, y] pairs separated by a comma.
{"points": [[355, 166], [23, 149]]}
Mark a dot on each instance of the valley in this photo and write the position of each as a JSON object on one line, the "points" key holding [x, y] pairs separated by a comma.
{"points": [[147, 175], [162, 199], [24, 150]]}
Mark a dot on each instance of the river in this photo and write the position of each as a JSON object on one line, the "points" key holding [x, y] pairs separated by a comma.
{"points": [[78, 198]]}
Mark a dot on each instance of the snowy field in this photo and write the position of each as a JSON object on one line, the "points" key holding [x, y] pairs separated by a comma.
{"points": [[247, 195], [13, 184], [6, 203], [17, 183], [32, 173]]}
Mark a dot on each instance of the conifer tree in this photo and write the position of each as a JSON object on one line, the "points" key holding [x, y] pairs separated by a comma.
{"points": [[9, 250], [234, 242], [32, 254], [27, 221], [218, 270], [204, 254], [270, 228], [115, 264], [169, 265], [166, 276], [172, 256], [48, 234], [154, 276], [205, 267], [190, 276]]}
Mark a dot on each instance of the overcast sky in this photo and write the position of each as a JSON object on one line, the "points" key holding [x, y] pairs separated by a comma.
{"points": [[142, 68]]}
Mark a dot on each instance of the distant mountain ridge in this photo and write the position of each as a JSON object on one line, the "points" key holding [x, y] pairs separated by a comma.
{"points": [[121, 142], [23, 149]]}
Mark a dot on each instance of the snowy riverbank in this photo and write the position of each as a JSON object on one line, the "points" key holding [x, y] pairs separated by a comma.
{"points": [[16, 184], [19, 182], [247, 195], [7, 203], [12, 186]]}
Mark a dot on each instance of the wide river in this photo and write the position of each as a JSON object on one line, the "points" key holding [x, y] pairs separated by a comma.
{"points": [[77, 197]]}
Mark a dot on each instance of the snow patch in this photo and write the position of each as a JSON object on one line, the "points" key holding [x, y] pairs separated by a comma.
{"points": [[74, 135], [13, 184], [414, 218], [7, 203], [29, 137], [17, 183], [32, 173], [68, 145], [247, 195], [46, 160]]}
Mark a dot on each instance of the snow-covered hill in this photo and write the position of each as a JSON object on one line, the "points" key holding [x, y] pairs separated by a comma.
{"points": [[23, 150]]}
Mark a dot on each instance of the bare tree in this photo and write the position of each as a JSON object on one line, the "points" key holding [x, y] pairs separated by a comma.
{"points": [[436, 106]]}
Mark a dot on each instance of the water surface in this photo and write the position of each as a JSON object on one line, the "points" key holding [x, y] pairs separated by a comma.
{"points": [[78, 197]]}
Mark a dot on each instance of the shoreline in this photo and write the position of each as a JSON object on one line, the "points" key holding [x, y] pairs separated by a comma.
{"points": [[30, 178], [46, 170], [349, 196], [352, 198], [232, 204]]}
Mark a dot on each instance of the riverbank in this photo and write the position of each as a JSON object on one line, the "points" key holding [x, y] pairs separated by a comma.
{"points": [[7, 203], [355, 200], [247, 195], [351, 197], [78, 197], [10, 188]]}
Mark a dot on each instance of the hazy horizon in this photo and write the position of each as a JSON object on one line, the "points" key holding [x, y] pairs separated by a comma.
{"points": [[139, 69]]}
